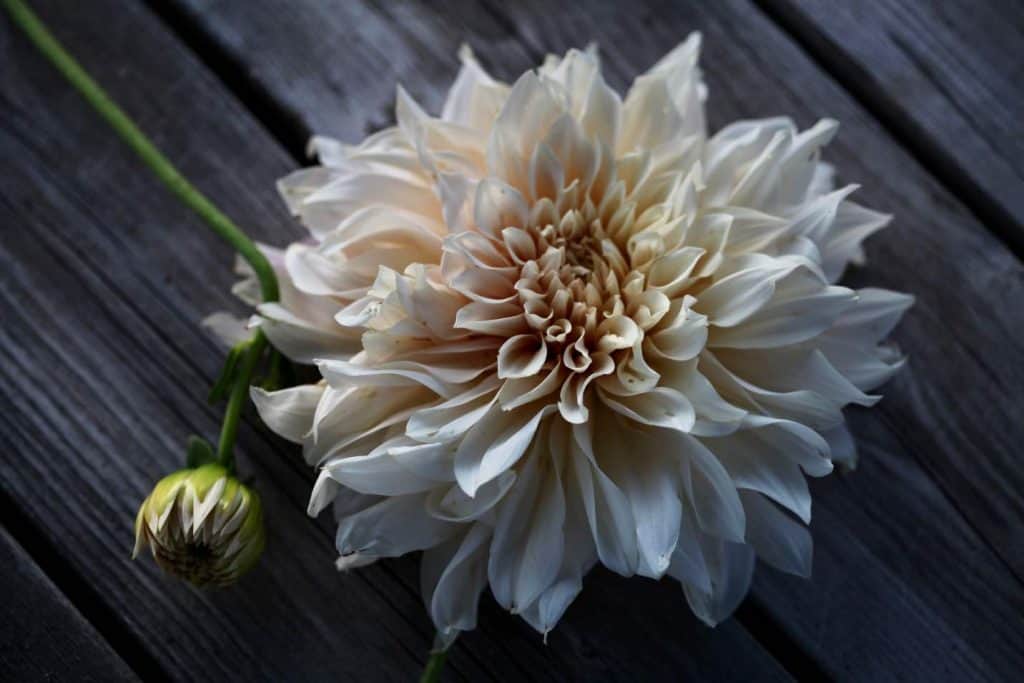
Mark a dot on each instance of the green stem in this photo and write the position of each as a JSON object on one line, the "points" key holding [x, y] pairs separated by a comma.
{"points": [[137, 140], [181, 187], [432, 671], [236, 401]]}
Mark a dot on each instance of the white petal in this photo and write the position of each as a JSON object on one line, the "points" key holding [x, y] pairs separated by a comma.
{"points": [[772, 459], [842, 447], [682, 334], [354, 561], [679, 68], [475, 98], [495, 444], [640, 464], [687, 564], [226, 328], [591, 101], [454, 417], [526, 553], [433, 461], [503, 320], [452, 503], [802, 406], [392, 527], [288, 412], [783, 381], [670, 273], [778, 539], [526, 117], [738, 295], [347, 420], [714, 416], [842, 245], [875, 315], [498, 206], [379, 473], [660, 407], [579, 556], [302, 341], [324, 492], [453, 596], [521, 356], [325, 209], [394, 374], [607, 507], [709, 489], [796, 313], [519, 392], [731, 567]]}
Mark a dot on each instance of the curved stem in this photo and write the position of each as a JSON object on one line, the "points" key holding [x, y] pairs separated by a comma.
{"points": [[236, 401], [432, 671], [26, 19], [137, 140]]}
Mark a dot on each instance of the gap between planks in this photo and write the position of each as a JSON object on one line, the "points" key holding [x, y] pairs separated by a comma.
{"points": [[79, 593]]}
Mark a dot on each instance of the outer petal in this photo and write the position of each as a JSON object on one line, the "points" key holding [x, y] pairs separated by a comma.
{"points": [[608, 510], [495, 444], [289, 412], [526, 553], [475, 98], [649, 477], [393, 527], [302, 341], [772, 459], [452, 577], [778, 539], [730, 567], [577, 559], [710, 490]]}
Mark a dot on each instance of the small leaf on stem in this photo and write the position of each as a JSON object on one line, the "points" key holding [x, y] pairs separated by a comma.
{"points": [[199, 452]]}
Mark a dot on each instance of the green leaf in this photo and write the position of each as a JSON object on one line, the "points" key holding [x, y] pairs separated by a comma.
{"points": [[280, 373], [222, 387], [200, 452]]}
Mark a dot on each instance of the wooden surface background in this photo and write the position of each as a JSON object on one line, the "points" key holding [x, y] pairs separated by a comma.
{"points": [[919, 558]]}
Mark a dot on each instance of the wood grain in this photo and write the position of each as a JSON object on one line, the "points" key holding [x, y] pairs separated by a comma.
{"points": [[946, 76], [42, 635], [103, 279], [940, 477]]}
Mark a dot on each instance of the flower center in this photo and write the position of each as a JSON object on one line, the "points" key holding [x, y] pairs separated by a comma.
{"points": [[576, 294]]}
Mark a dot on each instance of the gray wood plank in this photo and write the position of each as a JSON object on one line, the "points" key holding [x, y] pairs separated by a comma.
{"points": [[103, 279], [939, 487], [42, 635], [946, 76]]}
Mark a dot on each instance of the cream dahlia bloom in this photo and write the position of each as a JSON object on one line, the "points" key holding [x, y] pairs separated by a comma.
{"points": [[557, 327]]}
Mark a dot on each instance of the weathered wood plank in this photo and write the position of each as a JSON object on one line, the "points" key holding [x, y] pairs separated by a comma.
{"points": [[945, 76], [940, 478], [103, 283], [42, 635]]}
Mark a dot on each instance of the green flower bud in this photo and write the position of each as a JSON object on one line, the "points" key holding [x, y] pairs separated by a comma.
{"points": [[201, 525]]}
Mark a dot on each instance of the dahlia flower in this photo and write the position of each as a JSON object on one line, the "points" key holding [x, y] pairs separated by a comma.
{"points": [[557, 327]]}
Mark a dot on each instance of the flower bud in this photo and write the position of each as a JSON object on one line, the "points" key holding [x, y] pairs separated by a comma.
{"points": [[202, 525]]}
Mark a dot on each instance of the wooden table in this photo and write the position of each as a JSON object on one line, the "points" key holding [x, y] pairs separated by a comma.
{"points": [[919, 562]]}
